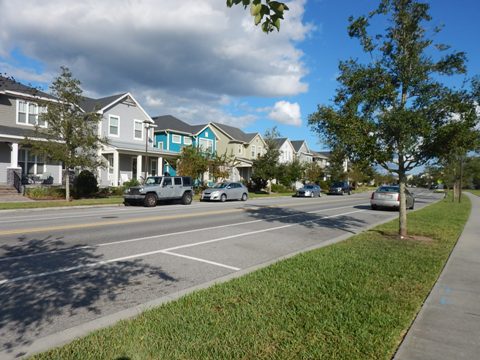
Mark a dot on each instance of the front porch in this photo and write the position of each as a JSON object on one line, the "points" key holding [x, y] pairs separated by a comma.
{"points": [[126, 165]]}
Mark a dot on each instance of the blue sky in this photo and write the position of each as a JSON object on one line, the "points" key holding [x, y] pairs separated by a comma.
{"points": [[203, 62]]}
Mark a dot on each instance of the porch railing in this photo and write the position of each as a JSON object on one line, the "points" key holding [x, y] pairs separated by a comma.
{"points": [[17, 182]]}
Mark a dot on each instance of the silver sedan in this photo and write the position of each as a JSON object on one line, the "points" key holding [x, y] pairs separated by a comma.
{"points": [[310, 190], [225, 191], [389, 197]]}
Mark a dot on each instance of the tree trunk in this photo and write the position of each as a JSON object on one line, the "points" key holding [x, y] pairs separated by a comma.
{"points": [[67, 185], [403, 207]]}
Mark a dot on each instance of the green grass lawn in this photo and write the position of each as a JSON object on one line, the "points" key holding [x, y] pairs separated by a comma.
{"points": [[474, 192], [352, 300], [59, 203]]}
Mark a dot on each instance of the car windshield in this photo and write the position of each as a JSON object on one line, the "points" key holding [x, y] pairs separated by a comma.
{"points": [[153, 180], [309, 187], [394, 189], [220, 185], [337, 184]]}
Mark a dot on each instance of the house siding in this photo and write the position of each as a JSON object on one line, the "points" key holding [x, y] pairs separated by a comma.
{"points": [[8, 111], [207, 134]]}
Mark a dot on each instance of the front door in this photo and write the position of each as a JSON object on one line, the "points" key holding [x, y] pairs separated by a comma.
{"points": [[134, 168]]}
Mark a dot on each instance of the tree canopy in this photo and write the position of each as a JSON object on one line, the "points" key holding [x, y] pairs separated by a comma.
{"points": [[395, 111], [270, 12]]}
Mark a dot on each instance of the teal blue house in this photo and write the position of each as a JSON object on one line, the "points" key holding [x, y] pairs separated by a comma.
{"points": [[172, 134]]}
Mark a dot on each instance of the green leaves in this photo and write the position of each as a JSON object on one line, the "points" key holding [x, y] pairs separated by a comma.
{"points": [[270, 12]]}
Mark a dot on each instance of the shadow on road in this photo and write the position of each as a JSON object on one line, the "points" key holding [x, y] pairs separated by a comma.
{"points": [[309, 220], [33, 294]]}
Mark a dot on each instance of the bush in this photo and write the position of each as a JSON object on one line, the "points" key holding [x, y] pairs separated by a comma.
{"points": [[279, 188], [130, 183], [45, 193], [85, 184]]}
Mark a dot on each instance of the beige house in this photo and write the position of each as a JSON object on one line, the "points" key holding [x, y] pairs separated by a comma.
{"points": [[243, 147]]}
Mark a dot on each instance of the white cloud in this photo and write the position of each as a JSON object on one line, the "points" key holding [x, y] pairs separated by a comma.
{"points": [[286, 113], [164, 52]]}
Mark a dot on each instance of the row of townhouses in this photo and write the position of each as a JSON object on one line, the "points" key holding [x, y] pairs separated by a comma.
{"points": [[138, 144]]}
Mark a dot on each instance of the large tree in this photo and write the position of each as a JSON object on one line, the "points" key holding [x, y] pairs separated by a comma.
{"points": [[392, 109], [71, 133], [270, 12], [265, 166]]}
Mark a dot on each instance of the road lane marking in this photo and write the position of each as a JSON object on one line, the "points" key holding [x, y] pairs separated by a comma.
{"points": [[201, 260], [170, 234], [164, 251]]}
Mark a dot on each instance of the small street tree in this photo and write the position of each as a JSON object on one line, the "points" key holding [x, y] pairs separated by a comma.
{"points": [[289, 173], [314, 173], [392, 110], [192, 162], [72, 134], [264, 168]]}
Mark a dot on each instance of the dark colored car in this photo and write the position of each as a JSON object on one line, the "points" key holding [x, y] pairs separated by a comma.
{"points": [[340, 188]]}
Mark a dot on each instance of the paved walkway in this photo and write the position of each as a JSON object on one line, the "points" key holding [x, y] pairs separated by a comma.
{"points": [[448, 325]]}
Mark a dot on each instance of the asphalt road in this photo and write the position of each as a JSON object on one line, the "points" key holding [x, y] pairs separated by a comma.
{"points": [[64, 272]]}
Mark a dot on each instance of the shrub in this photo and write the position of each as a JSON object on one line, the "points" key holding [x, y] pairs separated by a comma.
{"points": [[45, 193], [279, 188], [85, 184], [130, 183]]}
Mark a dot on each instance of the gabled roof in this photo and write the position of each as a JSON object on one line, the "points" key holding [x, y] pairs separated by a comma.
{"points": [[232, 132], [279, 141], [321, 154], [89, 104], [171, 123], [297, 144], [13, 87]]}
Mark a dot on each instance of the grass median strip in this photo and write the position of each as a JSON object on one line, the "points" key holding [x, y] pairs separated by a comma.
{"points": [[352, 300]]}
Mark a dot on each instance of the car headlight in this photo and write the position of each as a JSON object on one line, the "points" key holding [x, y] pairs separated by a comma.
{"points": [[141, 190], [215, 193]]}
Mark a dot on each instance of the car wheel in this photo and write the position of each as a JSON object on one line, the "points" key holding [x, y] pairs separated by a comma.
{"points": [[187, 198], [244, 197], [150, 200], [223, 198], [374, 207]]}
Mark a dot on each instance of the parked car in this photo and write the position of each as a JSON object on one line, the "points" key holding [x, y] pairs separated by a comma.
{"points": [[340, 188], [309, 190], [388, 196], [224, 191], [157, 188]]}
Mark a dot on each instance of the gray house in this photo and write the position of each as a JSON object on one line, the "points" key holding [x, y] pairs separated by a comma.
{"points": [[302, 152], [19, 114], [130, 152]]}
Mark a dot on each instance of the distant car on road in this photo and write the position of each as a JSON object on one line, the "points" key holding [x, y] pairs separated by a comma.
{"points": [[388, 196], [224, 191], [309, 190], [340, 188], [158, 188]]}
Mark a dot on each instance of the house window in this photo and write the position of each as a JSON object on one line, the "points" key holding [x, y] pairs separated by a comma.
{"points": [[138, 130], [176, 139], [160, 145], [240, 149], [187, 140], [259, 149], [30, 163], [206, 134], [206, 145], [28, 113], [113, 125], [253, 151]]}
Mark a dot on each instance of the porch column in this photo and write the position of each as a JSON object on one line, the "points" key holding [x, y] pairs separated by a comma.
{"points": [[14, 155], [116, 167], [160, 166], [139, 166]]}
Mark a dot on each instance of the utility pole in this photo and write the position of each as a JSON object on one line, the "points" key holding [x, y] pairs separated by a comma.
{"points": [[148, 125]]}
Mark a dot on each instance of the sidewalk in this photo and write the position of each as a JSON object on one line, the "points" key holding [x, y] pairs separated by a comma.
{"points": [[448, 325]]}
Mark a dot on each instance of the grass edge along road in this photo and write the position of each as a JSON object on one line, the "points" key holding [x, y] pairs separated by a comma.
{"points": [[351, 300]]}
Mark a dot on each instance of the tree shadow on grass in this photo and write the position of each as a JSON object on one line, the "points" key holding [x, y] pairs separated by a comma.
{"points": [[322, 219], [43, 283]]}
